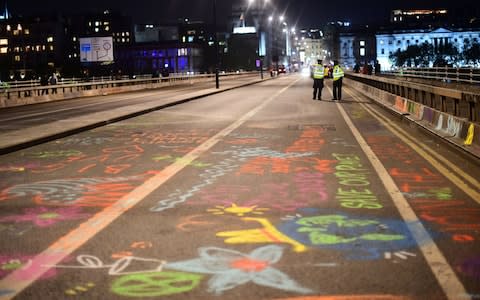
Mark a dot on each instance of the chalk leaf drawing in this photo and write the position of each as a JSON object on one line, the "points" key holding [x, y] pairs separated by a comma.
{"points": [[231, 269], [44, 217], [360, 238]]}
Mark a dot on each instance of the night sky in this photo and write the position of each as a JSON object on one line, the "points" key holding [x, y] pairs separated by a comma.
{"points": [[304, 13]]}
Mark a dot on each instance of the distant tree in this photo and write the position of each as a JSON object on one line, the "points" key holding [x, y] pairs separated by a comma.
{"points": [[424, 55], [447, 55], [414, 56], [471, 54]]}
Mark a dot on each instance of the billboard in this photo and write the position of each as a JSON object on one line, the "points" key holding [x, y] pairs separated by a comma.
{"points": [[96, 49]]}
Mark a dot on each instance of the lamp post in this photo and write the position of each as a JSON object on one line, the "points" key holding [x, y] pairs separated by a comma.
{"points": [[217, 81]]}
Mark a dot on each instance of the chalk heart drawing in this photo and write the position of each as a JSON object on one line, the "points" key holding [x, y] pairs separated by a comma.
{"points": [[44, 216], [155, 284], [239, 211], [360, 238], [231, 269]]}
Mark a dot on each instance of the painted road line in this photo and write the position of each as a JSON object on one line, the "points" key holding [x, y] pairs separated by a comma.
{"points": [[437, 164], [20, 279], [444, 273]]}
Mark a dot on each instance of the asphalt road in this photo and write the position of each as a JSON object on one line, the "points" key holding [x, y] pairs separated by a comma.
{"points": [[255, 193]]}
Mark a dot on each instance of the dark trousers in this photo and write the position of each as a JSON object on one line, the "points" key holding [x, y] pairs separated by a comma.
{"points": [[337, 89], [317, 88]]}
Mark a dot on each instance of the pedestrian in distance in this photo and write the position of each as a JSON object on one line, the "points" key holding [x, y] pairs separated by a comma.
{"points": [[337, 81], [318, 73], [44, 83], [53, 81]]}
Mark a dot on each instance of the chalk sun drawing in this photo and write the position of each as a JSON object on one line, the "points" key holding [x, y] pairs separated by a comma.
{"points": [[240, 211], [231, 269]]}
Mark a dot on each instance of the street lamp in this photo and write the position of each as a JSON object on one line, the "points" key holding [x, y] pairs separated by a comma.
{"points": [[217, 81]]}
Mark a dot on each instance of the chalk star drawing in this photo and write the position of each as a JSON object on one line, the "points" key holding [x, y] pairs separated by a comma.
{"points": [[231, 269], [240, 211]]}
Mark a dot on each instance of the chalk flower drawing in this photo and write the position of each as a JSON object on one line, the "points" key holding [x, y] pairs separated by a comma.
{"points": [[231, 269], [43, 216]]}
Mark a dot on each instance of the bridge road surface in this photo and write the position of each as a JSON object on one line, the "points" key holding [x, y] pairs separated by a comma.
{"points": [[255, 193]]}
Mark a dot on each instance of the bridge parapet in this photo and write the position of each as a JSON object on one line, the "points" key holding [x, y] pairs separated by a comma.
{"points": [[451, 114]]}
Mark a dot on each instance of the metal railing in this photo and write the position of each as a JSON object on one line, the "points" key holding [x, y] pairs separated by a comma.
{"points": [[445, 74], [33, 88]]}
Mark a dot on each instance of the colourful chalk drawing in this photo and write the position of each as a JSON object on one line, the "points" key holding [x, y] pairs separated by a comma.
{"points": [[226, 166], [232, 268], [44, 216], [360, 238], [173, 159], [53, 154], [127, 265], [79, 289], [239, 211], [11, 263], [155, 284], [266, 234], [191, 223], [96, 192]]}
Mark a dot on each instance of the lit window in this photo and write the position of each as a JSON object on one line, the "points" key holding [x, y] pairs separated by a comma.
{"points": [[44, 47], [15, 32], [123, 33], [9, 28], [50, 39], [127, 33], [106, 23], [96, 29], [27, 31], [97, 23], [107, 28], [51, 47], [90, 24], [3, 50], [362, 43], [3, 41], [362, 51], [74, 39], [123, 40], [17, 57]]}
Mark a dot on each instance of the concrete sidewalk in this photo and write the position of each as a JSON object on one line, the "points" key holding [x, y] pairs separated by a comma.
{"points": [[24, 138]]}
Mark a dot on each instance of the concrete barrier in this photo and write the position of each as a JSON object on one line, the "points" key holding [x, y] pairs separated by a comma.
{"points": [[456, 130], [32, 95]]}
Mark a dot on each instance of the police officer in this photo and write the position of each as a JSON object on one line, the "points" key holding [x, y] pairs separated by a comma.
{"points": [[318, 74], [337, 81]]}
